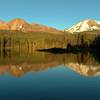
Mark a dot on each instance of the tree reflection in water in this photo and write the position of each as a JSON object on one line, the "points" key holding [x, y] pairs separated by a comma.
{"points": [[18, 63]]}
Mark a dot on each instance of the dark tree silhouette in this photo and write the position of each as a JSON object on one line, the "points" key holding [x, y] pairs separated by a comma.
{"points": [[96, 43]]}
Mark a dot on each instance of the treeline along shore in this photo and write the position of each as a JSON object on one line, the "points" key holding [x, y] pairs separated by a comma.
{"points": [[44, 40]]}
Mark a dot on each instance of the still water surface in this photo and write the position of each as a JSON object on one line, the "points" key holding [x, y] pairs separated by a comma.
{"points": [[46, 76]]}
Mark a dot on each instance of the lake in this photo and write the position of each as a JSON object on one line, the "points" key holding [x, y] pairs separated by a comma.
{"points": [[31, 75]]}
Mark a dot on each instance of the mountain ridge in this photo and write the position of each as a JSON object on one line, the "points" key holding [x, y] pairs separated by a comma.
{"points": [[85, 25], [22, 25]]}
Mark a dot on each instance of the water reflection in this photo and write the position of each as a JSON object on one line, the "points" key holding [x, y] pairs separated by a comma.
{"points": [[20, 62]]}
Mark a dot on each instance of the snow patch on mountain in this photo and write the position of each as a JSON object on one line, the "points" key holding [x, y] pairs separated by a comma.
{"points": [[87, 25]]}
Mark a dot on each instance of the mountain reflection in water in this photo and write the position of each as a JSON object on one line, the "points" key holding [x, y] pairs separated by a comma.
{"points": [[18, 63]]}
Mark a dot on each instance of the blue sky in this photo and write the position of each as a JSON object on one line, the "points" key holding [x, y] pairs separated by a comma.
{"points": [[56, 13]]}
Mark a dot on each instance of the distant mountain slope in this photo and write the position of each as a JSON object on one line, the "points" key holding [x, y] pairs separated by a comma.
{"points": [[43, 28], [3, 25], [86, 25], [2, 22], [21, 25]]}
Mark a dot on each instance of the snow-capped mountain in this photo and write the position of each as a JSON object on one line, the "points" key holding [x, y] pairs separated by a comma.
{"points": [[86, 25]]}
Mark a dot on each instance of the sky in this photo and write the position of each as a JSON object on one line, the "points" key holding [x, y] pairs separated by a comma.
{"points": [[60, 14]]}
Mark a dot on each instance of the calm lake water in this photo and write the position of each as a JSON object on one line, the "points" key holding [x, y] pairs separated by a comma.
{"points": [[45, 76]]}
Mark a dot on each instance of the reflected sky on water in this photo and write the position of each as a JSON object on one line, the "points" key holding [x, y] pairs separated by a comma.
{"points": [[46, 76]]}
